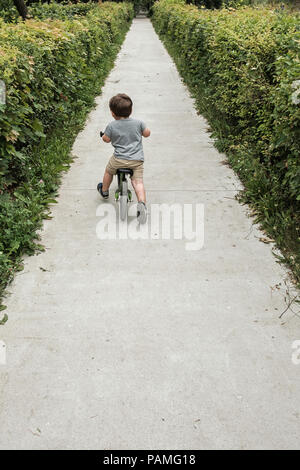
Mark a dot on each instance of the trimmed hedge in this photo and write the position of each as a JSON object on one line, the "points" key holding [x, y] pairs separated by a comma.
{"points": [[53, 70], [46, 75], [59, 10], [242, 67], [240, 3]]}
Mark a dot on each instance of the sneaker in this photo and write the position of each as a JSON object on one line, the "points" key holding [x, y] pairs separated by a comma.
{"points": [[141, 212], [104, 194]]}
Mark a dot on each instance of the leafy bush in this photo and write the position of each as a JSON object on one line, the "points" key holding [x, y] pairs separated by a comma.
{"points": [[8, 12], [219, 3], [239, 3], [209, 3], [46, 78], [59, 10], [241, 67], [52, 70]]}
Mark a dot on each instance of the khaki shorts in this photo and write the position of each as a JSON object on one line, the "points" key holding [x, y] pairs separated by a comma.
{"points": [[136, 165]]}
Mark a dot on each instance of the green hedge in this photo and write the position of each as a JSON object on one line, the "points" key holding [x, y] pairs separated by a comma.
{"points": [[8, 12], [241, 3], [52, 69], [241, 67], [219, 3], [59, 10]]}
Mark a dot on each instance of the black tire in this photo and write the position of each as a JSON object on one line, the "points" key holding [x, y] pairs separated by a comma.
{"points": [[123, 200]]}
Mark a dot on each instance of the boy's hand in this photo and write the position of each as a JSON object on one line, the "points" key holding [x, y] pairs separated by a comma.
{"points": [[146, 132], [104, 137]]}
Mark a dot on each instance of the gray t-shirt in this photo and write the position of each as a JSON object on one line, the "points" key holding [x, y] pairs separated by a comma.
{"points": [[126, 138]]}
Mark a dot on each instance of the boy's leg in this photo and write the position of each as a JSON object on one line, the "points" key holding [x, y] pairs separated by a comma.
{"points": [[107, 179], [138, 186], [110, 170], [139, 189], [137, 180]]}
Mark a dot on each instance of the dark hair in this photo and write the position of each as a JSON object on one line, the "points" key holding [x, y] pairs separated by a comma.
{"points": [[121, 105]]}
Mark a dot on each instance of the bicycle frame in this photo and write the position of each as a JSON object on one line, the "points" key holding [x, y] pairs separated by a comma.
{"points": [[122, 177]]}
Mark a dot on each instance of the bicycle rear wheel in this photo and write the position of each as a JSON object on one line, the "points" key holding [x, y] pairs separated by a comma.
{"points": [[123, 200]]}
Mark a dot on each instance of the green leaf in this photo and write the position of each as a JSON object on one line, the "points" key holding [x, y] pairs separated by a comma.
{"points": [[4, 319]]}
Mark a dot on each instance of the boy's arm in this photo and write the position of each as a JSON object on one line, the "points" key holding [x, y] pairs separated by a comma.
{"points": [[105, 139], [106, 135], [146, 132]]}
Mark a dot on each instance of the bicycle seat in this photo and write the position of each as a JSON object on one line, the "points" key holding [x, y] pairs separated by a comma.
{"points": [[126, 171]]}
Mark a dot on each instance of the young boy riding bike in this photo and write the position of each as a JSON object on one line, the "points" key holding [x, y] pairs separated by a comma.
{"points": [[125, 134]]}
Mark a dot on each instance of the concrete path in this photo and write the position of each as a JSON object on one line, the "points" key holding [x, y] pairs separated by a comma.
{"points": [[123, 344]]}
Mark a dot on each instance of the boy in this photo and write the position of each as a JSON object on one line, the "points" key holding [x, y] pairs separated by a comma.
{"points": [[125, 135]]}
